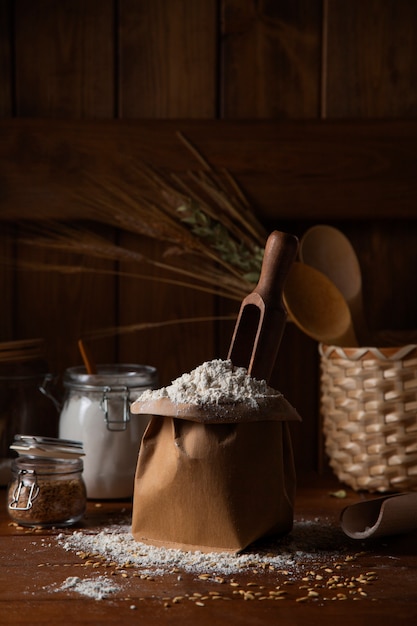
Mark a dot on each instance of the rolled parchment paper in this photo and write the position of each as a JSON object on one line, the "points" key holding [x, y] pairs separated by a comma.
{"points": [[387, 515]]}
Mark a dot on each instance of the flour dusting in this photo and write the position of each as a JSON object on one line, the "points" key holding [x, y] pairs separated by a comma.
{"points": [[214, 382], [97, 588], [308, 542]]}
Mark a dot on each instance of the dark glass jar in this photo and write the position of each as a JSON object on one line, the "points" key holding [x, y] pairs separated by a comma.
{"points": [[46, 490], [23, 406]]}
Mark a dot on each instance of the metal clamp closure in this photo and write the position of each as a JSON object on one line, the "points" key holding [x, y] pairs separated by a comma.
{"points": [[44, 389], [31, 495], [124, 395]]}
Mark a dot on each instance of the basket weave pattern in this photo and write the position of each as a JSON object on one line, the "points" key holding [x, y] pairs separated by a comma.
{"points": [[369, 413]]}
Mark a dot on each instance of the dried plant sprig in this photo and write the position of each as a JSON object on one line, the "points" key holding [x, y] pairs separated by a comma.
{"points": [[228, 196], [232, 194], [72, 239], [133, 212], [151, 209], [215, 233], [65, 268], [210, 239], [130, 328]]}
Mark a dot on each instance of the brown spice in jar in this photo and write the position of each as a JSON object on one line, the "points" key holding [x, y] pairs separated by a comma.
{"points": [[58, 502], [57, 499]]}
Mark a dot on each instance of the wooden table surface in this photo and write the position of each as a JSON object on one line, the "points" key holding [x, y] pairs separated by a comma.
{"points": [[353, 582]]}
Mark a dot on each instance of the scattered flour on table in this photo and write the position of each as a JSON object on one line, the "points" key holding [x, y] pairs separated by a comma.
{"points": [[97, 588], [309, 542], [214, 382]]}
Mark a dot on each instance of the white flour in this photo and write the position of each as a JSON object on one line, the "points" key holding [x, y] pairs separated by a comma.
{"points": [[97, 588], [316, 560], [214, 382], [308, 542]]}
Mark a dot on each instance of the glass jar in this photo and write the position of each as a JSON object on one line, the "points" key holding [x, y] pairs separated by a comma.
{"points": [[96, 411], [23, 406], [46, 490]]}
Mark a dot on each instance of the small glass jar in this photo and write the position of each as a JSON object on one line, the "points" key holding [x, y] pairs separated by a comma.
{"points": [[46, 491], [96, 411]]}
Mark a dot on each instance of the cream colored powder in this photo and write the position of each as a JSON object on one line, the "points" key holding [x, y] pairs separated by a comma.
{"points": [[214, 382], [309, 542], [98, 588]]}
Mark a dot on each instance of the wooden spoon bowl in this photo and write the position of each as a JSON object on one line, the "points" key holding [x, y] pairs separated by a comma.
{"points": [[328, 250], [317, 307]]}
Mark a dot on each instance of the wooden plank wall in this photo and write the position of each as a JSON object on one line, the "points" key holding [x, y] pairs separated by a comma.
{"points": [[227, 59]]}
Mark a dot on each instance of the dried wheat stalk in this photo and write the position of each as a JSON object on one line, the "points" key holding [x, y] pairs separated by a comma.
{"points": [[202, 219]]}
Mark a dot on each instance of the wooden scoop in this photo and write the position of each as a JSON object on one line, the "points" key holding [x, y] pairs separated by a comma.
{"points": [[328, 250], [317, 306], [261, 320]]}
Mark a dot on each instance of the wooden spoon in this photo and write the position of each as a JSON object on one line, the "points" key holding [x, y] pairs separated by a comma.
{"points": [[87, 357], [328, 250], [317, 307]]}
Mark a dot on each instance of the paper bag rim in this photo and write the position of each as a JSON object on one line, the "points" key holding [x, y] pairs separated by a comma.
{"points": [[268, 408]]}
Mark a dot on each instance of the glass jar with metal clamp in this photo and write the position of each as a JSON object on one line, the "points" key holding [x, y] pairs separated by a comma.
{"points": [[47, 487], [96, 411]]}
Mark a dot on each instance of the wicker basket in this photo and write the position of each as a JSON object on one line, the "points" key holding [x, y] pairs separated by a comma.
{"points": [[369, 412]]}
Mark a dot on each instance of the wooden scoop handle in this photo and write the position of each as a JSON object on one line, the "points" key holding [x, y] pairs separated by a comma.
{"points": [[280, 252], [262, 315]]}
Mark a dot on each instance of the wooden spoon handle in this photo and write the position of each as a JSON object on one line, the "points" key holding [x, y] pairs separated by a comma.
{"points": [[87, 358], [280, 252]]}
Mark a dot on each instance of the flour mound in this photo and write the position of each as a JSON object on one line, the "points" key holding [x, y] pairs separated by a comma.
{"points": [[214, 382]]}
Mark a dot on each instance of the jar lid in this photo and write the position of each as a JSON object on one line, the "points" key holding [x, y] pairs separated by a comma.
{"points": [[30, 445], [113, 376]]}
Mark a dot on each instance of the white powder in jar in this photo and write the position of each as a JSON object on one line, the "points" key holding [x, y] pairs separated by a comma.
{"points": [[110, 455], [96, 412], [214, 382]]}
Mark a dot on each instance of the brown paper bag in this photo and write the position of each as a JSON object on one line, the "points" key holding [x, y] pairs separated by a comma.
{"points": [[213, 486]]}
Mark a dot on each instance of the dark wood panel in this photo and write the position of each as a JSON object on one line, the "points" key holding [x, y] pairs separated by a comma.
{"points": [[61, 308], [6, 232], [6, 79], [168, 58], [305, 170], [7, 255], [167, 69], [371, 58], [388, 256], [175, 348], [64, 58], [271, 55], [64, 68], [372, 65]]}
